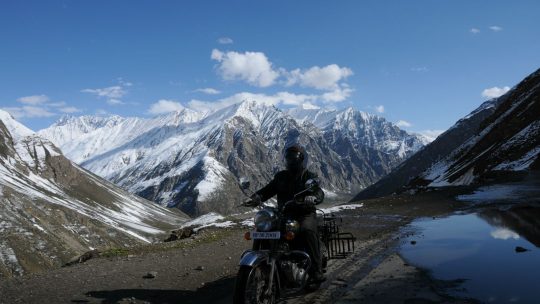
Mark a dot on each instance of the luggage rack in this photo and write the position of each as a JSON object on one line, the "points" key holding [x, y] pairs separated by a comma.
{"points": [[339, 244]]}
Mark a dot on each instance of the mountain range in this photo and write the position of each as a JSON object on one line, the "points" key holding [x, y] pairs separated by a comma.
{"points": [[52, 210], [192, 160]]}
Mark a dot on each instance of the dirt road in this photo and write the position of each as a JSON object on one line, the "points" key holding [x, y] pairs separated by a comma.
{"points": [[202, 269]]}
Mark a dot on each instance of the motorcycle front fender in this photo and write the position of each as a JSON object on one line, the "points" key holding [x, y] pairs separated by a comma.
{"points": [[253, 258]]}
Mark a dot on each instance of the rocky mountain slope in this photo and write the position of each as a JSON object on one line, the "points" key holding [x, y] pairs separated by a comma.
{"points": [[494, 142], [193, 160], [52, 210]]}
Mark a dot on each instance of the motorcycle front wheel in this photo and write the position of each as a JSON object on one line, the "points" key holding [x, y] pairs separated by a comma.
{"points": [[252, 284]]}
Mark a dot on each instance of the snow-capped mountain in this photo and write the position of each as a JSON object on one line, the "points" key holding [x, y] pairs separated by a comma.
{"points": [[193, 160], [494, 142], [51, 209], [361, 129]]}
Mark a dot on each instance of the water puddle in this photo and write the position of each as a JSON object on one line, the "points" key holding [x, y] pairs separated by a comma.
{"points": [[486, 249]]}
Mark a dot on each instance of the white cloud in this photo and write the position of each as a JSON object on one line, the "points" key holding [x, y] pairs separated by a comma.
{"points": [[70, 110], [379, 109], [124, 83], [225, 40], [252, 67], [113, 92], [504, 234], [420, 69], [257, 70], [209, 91], [403, 124], [475, 30], [165, 106], [495, 92], [495, 28], [338, 95], [57, 104], [325, 78], [33, 100], [431, 135], [29, 112], [115, 102]]}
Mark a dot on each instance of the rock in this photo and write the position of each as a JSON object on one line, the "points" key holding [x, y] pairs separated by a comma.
{"points": [[200, 268], [84, 257], [520, 249], [182, 233], [150, 275]]}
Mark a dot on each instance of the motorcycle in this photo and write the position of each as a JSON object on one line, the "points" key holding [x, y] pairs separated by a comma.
{"points": [[276, 265]]}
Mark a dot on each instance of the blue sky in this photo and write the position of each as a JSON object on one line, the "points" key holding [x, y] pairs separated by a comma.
{"points": [[424, 64]]}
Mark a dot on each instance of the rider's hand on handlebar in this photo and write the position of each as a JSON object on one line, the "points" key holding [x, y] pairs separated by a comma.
{"points": [[254, 201], [309, 200]]}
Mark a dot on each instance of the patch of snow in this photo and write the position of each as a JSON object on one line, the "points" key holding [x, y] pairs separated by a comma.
{"points": [[437, 170], [342, 207], [329, 194], [209, 220], [465, 179], [205, 219], [521, 164], [248, 223], [507, 192], [213, 179], [9, 259]]}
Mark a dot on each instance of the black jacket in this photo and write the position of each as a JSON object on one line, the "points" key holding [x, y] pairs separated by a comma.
{"points": [[285, 185]]}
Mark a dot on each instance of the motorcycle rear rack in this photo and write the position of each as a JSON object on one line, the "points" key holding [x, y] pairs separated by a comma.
{"points": [[339, 244]]}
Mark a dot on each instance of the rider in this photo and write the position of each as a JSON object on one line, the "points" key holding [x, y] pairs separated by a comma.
{"points": [[285, 185]]}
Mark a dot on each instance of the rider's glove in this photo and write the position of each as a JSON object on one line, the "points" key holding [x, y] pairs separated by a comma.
{"points": [[254, 201], [309, 200]]}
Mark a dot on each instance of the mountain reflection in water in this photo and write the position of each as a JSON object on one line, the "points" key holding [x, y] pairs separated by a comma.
{"points": [[481, 248], [522, 220]]}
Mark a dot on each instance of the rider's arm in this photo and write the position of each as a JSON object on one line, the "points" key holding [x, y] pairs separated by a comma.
{"points": [[268, 191]]}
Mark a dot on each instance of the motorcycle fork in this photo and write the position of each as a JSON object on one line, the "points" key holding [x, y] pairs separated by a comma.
{"points": [[273, 260], [271, 279]]}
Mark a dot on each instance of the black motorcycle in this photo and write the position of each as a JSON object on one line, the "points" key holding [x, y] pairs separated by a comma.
{"points": [[277, 264]]}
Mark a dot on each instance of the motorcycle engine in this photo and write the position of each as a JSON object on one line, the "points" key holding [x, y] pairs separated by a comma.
{"points": [[294, 274]]}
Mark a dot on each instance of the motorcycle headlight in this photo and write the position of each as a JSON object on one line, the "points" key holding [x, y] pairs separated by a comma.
{"points": [[265, 220]]}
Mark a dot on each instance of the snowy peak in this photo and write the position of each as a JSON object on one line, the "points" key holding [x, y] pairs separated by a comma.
{"points": [[317, 116], [183, 116], [88, 123], [16, 129], [361, 129]]}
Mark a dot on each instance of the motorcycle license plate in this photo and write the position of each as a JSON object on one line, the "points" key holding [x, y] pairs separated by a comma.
{"points": [[272, 235]]}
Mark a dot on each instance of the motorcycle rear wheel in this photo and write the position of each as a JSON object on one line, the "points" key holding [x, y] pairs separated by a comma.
{"points": [[251, 286]]}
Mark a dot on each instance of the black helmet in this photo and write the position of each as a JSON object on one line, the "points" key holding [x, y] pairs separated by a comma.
{"points": [[295, 157]]}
